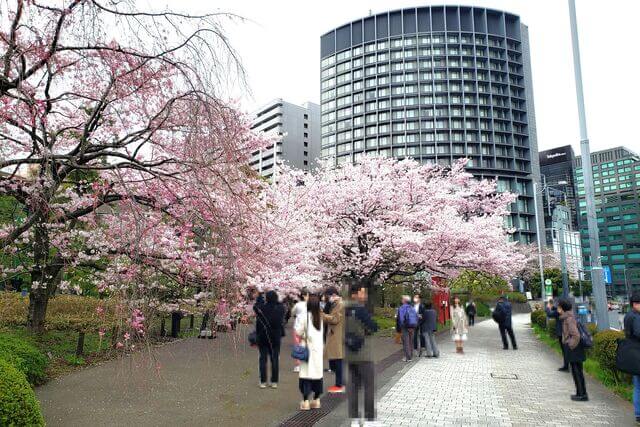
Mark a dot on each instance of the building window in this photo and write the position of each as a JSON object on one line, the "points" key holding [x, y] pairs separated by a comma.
{"points": [[306, 135], [306, 153]]}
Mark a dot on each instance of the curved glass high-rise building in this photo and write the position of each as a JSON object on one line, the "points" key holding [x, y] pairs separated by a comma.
{"points": [[436, 84]]}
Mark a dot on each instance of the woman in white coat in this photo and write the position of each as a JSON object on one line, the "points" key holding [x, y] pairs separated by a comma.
{"points": [[311, 372]]}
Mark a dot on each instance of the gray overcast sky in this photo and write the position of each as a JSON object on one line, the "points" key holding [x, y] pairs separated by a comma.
{"points": [[280, 49]]}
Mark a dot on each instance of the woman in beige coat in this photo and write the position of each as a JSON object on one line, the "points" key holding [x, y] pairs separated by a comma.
{"points": [[334, 346], [459, 325]]}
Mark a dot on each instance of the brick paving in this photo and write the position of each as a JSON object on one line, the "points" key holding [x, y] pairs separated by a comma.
{"points": [[460, 389]]}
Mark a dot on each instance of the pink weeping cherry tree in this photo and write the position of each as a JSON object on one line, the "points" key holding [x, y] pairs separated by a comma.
{"points": [[385, 218], [118, 155]]}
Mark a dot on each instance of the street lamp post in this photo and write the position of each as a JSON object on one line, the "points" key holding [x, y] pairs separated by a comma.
{"points": [[597, 277], [535, 206]]}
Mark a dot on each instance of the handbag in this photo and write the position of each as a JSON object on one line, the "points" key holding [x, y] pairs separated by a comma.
{"points": [[628, 356], [301, 352]]}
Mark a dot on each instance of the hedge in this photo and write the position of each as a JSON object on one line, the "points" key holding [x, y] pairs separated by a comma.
{"points": [[539, 317], [18, 404], [25, 357], [64, 312], [604, 349]]}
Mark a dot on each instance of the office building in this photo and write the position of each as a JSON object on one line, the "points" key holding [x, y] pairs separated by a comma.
{"points": [[561, 235], [616, 179], [557, 173], [436, 84], [296, 133]]}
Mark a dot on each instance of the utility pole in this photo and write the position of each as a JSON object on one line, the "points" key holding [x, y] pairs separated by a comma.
{"points": [[563, 260], [535, 206], [597, 277]]}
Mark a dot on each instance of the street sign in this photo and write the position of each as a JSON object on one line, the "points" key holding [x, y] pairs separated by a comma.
{"points": [[607, 274], [548, 282]]}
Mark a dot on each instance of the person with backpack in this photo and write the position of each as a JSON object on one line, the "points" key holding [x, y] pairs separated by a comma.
{"points": [[419, 343], [459, 325], [407, 321], [429, 327], [471, 311], [502, 315], [299, 312], [632, 332], [575, 348], [269, 333], [358, 354]]}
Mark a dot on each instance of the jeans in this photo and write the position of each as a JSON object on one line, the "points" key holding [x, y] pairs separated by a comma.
{"points": [[578, 378], [636, 394], [273, 352], [503, 333], [418, 336], [361, 376], [431, 346], [407, 341], [336, 366], [307, 386]]}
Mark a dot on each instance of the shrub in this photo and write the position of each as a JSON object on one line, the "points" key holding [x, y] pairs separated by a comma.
{"points": [[539, 317], [18, 404], [24, 356], [482, 310], [551, 327], [604, 349]]}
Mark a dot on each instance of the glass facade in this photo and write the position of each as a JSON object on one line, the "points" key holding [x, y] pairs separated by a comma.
{"points": [[436, 84], [616, 179]]}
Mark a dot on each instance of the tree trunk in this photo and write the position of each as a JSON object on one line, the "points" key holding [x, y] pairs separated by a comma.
{"points": [[38, 301], [80, 346]]}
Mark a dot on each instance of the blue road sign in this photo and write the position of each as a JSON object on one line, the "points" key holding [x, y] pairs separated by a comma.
{"points": [[607, 274]]}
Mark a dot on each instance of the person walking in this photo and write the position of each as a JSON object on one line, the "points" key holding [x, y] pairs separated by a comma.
{"points": [[459, 325], [418, 336], [309, 329], [358, 326], [269, 333], [502, 315], [299, 312], [573, 346], [407, 321], [429, 327], [471, 311], [335, 338], [632, 332], [552, 313]]}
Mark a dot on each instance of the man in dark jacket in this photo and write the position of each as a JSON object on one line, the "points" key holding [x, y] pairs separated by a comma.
{"points": [[502, 314], [429, 327], [418, 336], [576, 354], [471, 313], [632, 332], [358, 326], [552, 313], [269, 333]]}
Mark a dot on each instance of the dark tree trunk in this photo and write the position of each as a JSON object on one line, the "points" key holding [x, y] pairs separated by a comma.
{"points": [[38, 301], [163, 329], [175, 324], [80, 346]]}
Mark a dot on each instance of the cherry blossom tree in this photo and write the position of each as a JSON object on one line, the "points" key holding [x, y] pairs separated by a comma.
{"points": [[119, 155], [385, 218]]}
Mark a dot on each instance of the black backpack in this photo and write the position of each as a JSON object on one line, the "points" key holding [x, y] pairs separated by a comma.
{"points": [[585, 337], [354, 333]]}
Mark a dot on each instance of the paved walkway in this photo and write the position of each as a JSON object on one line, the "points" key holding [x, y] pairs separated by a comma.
{"points": [[460, 389]]}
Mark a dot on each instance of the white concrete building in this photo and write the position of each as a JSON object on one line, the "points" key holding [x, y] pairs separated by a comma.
{"points": [[296, 129]]}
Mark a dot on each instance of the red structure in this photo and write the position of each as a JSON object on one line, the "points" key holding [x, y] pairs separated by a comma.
{"points": [[440, 298]]}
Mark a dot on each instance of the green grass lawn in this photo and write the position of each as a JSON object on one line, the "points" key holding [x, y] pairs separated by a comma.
{"points": [[591, 366]]}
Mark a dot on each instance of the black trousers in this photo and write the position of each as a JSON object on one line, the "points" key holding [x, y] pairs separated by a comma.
{"points": [[307, 386], [578, 378], [273, 353], [417, 335], [472, 319], [503, 333], [361, 377], [336, 366], [565, 364]]}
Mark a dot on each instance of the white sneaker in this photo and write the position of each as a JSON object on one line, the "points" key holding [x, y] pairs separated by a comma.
{"points": [[373, 424], [355, 423], [296, 368], [274, 385], [263, 385]]}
